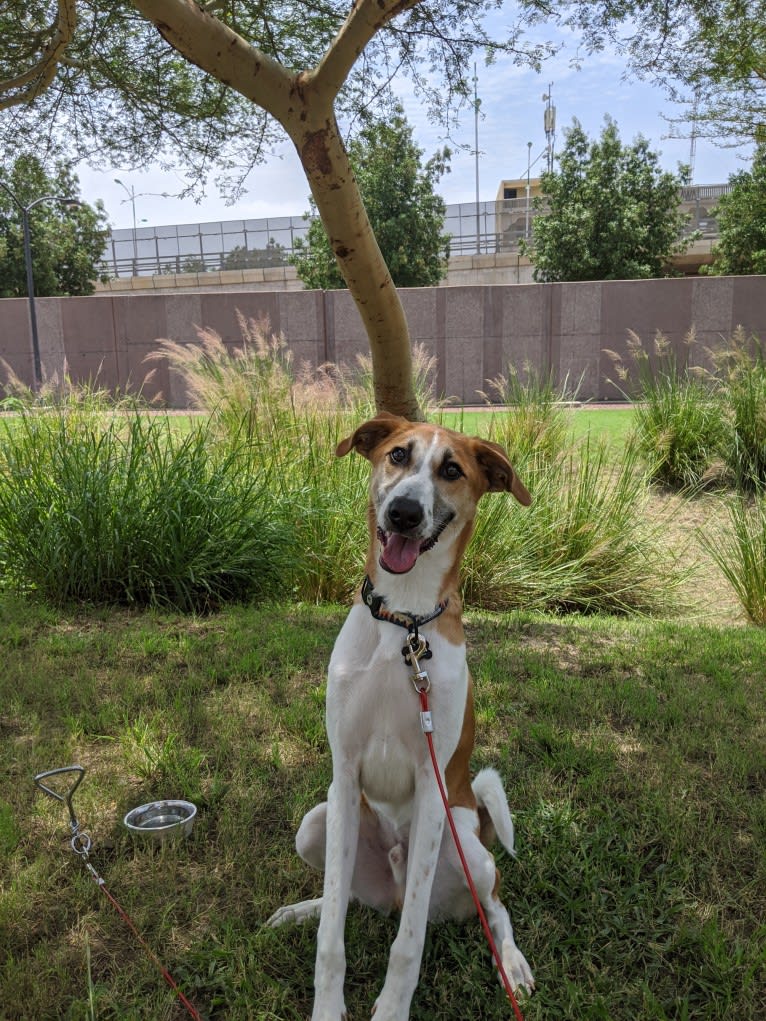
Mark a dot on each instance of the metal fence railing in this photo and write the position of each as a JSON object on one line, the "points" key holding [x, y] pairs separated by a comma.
{"points": [[475, 229]]}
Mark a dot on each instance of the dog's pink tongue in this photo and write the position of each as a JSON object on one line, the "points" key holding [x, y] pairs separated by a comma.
{"points": [[399, 554]]}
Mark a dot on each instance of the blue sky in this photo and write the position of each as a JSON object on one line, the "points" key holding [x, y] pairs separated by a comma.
{"points": [[511, 116]]}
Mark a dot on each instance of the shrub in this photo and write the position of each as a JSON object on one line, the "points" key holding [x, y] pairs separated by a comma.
{"points": [[118, 507], [680, 423], [739, 549], [742, 366]]}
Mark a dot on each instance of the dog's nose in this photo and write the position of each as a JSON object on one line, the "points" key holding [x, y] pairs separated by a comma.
{"points": [[404, 514]]}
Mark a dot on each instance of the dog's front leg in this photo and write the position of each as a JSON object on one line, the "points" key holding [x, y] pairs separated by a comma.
{"points": [[342, 837], [393, 1004]]}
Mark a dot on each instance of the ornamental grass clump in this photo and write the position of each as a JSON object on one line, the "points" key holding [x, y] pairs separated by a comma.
{"points": [[255, 390], [680, 421], [535, 423], [120, 507], [584, 545], [739, 549], [244, 389], [741, 364], [289, 421]]}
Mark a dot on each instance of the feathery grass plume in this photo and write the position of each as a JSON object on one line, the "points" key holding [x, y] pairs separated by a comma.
{"points": [[534, 423], [680, 421], [60, 390], [258, 382], [242, 388], [739, 549], [358, 390]]}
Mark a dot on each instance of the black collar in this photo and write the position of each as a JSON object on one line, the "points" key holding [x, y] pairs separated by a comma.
{"points": [[375, 603]]}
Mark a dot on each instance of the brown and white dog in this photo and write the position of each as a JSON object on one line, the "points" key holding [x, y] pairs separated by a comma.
{"points": [[380, 836]]}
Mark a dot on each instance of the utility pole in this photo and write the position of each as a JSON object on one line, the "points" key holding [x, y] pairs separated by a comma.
{"points": [[529, 169]]}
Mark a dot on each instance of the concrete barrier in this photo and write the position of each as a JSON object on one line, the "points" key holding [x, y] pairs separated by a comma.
{"points": [[474, 331]]}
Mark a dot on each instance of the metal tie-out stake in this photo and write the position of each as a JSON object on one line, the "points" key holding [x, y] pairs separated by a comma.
{"points": [[156, 822], [81, 842]]}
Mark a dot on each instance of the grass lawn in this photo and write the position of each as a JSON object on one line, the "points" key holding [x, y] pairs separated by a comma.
{"points": [[609, 424], [634, 757]]}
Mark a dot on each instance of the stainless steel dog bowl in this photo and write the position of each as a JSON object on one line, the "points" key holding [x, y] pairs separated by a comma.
{"points": [[162, 820]]}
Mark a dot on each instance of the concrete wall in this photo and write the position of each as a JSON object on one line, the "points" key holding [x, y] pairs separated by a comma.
{"points": [[474, 331]]}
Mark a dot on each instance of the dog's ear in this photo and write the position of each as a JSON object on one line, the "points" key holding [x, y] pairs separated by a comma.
{"points": [[499, 471], [370, 434]]}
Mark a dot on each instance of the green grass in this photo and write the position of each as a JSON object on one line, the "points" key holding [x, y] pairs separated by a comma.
{"points": [[613, 425], [632, 753]]}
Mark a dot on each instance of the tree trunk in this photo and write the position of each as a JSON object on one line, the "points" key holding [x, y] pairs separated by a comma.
{"points": [[333, 185], [303, 105]]}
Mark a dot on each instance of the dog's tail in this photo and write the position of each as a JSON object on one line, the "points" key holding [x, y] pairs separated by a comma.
{"points": [[494, 814]]}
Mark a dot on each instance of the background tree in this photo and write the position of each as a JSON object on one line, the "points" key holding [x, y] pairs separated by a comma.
{"points": [[240, 257], [406, 214], [67, 244], [608, 213], [710, 55], [741, 214]]}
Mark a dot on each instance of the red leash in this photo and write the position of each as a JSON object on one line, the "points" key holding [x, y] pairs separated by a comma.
{"points": [[190, 1008], [415, 648]]}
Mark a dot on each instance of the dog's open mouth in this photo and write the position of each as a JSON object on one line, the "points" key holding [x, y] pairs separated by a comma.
{"points": [[399, 553]]}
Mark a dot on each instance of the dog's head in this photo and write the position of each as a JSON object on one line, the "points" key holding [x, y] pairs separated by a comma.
{"points": [[425, 478]]}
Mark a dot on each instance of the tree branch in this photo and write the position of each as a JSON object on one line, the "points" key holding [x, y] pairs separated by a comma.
{"points": [[204, 40], [365, 19], [25, 87]]}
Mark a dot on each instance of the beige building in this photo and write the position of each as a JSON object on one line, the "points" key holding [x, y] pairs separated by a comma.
{"points": [[514, 210]]}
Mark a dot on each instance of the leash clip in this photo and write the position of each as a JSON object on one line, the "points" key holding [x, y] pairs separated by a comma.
{"points": [[415, 650]]}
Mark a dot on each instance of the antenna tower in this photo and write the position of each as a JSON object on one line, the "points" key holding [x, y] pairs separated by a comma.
{"points": [[549, 124]]}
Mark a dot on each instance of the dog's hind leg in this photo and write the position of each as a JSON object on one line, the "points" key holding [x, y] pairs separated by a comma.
{"points": [[379, 869], [451, 897], [294, 914]]}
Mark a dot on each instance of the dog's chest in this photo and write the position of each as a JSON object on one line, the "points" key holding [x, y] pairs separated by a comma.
{"points": [[373, 709]]}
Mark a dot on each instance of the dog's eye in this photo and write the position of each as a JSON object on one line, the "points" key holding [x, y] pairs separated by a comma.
{"points": [[451, 470], [398, 455]]}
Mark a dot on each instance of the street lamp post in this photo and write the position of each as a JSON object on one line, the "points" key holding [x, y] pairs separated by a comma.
{"points": [[132, 196], [37, 367], [131, 193]]}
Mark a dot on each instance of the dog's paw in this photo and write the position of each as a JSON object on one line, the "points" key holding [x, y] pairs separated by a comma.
{"points": [[517, 969], [294, 914]]}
